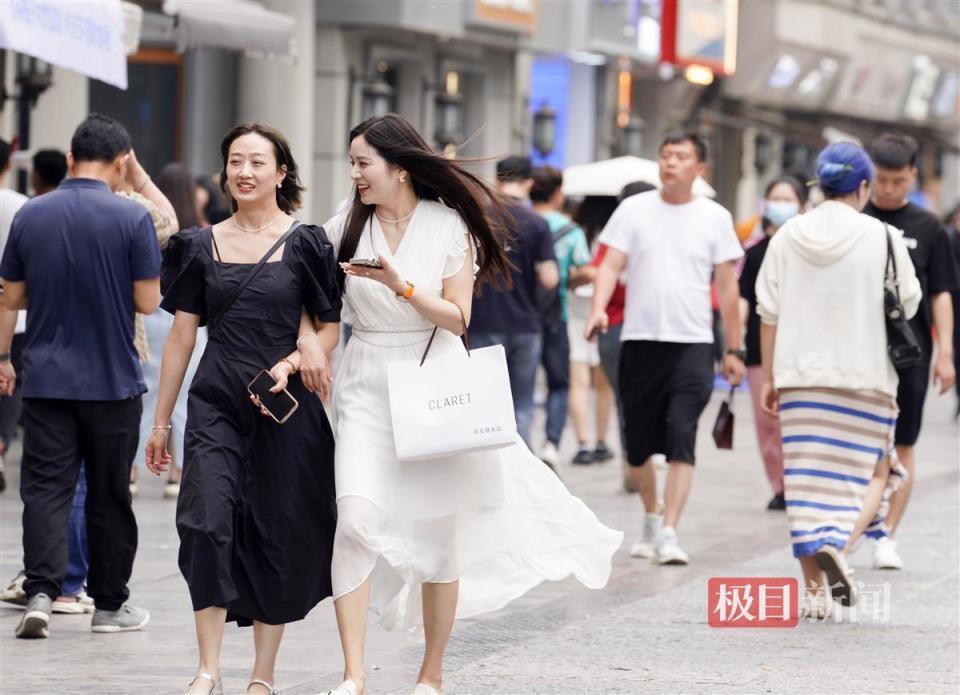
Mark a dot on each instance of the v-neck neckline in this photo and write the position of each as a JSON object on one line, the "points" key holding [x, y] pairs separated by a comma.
{"points": [[406, 232]]}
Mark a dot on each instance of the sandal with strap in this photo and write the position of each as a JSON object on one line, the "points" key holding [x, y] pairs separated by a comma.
{"points": [[217, 686], [268, 686]]}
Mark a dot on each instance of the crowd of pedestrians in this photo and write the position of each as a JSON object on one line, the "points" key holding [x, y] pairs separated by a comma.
{"points": [[613, 300]]}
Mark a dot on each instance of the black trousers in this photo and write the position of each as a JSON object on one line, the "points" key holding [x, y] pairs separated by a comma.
{"points": [[58, 435]]}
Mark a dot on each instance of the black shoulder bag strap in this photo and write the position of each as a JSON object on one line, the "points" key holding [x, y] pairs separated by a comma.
{"points": [[564, 231], [891, 273], [228, 302]]}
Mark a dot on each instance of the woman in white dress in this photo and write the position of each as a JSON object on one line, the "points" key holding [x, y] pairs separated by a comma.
{"points": [[423, 543]]}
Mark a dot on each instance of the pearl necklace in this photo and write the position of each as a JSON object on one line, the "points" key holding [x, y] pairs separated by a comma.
{"points": [[233, 218], [399, 219]]}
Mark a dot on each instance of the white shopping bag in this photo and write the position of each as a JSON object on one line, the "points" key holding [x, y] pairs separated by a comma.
{"points": [[452, 404]]}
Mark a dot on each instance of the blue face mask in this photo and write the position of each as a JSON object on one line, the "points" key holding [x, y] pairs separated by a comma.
{"points": [[779, 211]]}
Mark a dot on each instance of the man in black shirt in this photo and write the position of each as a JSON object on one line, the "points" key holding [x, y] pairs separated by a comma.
{"points": [[511, 317], [895, 159]]}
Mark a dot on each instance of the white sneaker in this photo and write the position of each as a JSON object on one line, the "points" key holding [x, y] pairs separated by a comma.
{"points": [[885, 556], [668, 551], [74, 605], [643, 548], [549, 454]]}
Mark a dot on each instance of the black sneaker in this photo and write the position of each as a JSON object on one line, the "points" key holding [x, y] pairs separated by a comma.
{"points": [[778, 503], [602, 454], [583, 457]]}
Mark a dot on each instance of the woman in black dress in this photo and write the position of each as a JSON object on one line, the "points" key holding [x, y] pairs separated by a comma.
{"points": [[257, 512]]}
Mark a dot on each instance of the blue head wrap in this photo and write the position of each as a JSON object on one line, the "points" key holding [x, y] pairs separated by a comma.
{"points": [[841, 167]]}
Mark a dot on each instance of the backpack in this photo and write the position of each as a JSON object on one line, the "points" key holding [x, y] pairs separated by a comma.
{"points": [[548, 301]]}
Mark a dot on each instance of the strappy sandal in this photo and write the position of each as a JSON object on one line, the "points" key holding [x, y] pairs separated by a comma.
{"points": [[217, 688], [425, 689], [268, 686], [348, 687]]}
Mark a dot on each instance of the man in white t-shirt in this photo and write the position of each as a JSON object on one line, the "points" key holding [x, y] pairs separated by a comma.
{"points": [[10, 202], [670, 243]]}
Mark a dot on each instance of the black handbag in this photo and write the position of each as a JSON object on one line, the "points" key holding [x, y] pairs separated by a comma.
{"points": [[902, 344], [723, 427]]}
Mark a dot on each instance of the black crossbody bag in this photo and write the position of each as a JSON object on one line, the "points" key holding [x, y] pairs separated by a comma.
{"points": [[228, 302], [902, 344]]}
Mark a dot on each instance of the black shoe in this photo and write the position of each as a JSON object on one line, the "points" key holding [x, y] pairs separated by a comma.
{"points": [[777, 504], [3, 477], [583, 457], [602, 454]]}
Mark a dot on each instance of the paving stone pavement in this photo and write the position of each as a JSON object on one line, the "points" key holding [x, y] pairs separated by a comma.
{"points": [[646, 632]]}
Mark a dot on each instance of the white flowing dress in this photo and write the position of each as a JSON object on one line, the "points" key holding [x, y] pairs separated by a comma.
{"points": [[501, 522]]}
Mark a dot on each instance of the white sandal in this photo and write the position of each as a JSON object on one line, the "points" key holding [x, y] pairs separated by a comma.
{"points": [[425, 689], [348, 687], [268, 686], [217, 688]]}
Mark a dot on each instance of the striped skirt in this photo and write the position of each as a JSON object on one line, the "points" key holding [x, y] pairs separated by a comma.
{"points": [[833, 441]]}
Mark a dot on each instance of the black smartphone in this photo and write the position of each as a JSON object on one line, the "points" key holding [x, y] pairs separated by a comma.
{"points": [[594, 333], [366, 262], [280, 406]]}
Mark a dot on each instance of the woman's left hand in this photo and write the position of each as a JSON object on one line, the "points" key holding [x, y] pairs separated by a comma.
{"points": [[315, 371], [387, 275]]}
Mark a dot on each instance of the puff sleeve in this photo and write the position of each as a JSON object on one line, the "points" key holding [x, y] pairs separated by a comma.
{"points": [[316, 266], [183, 274], [458, 244]]}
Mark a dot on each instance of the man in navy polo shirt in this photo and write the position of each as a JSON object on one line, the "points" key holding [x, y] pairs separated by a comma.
{"points": [[87, 260]]}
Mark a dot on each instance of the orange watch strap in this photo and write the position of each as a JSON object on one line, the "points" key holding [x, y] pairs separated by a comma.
{"points": [[407, 293]]}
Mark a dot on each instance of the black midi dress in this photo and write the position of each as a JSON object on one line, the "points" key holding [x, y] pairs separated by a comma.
{"points": [[257, 508]]}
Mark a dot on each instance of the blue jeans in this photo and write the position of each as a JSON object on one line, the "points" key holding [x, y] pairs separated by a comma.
{"points": [[523, 355], [556, 362], [77, 554]]}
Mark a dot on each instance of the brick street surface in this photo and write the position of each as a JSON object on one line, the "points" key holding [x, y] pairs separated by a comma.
{"points": [[646, 632]]}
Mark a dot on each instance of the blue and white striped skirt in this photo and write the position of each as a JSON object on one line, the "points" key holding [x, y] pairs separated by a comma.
{"points": [[833, 441]]}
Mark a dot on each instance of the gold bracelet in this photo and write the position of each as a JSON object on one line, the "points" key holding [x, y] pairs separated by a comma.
{"points": [[292, 365]]}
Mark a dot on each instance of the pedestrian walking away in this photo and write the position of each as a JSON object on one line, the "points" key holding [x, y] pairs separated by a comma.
{"points": [[256, 513], [671, 244], [87, 259], [423, 542], [895, 158], [510, 316], [827, 372]]}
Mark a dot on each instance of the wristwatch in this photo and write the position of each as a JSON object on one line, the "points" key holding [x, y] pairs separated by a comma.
{"points": [[739, 353], [5, 357]]}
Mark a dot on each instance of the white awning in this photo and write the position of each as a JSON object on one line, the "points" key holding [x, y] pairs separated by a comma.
{"points": [[241, 25]]}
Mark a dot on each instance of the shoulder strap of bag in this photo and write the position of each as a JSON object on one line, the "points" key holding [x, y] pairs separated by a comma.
{"points": [[251, 274], [891, 272], [564, 231], [465, 338]]}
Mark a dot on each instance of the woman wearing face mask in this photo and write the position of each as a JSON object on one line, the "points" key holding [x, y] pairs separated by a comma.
{"points": [[425, 542], [827, 374], [784, 198], [256, 512]]}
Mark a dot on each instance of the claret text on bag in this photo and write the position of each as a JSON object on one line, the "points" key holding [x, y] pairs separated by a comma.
{"points": [[452, 401]]}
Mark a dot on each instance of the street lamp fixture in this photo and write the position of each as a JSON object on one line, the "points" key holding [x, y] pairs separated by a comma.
{"points": [[378, 97], [33, 76], [448, 106], [544, 130], [632, 136]]}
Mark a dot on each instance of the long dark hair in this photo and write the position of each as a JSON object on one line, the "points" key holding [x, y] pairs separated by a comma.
{"points": [[289, 193], [176, 182], [434, 177]]}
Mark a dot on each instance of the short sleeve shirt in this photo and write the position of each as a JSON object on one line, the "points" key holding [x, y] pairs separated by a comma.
{"points": [[671, 253], [79, 249], [572, 251], [929, 247], [515, 311], [10, 203]]}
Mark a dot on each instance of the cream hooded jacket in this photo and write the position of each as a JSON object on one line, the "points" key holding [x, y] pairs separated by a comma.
{"points": [[821, 284]]}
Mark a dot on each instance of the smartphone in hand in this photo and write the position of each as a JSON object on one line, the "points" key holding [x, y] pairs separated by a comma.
{"points": [[366, 262], [279, 406]]}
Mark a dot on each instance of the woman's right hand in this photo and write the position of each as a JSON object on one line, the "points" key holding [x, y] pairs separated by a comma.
{"points": [[769, 399], [598, 321], [157, 457]]}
